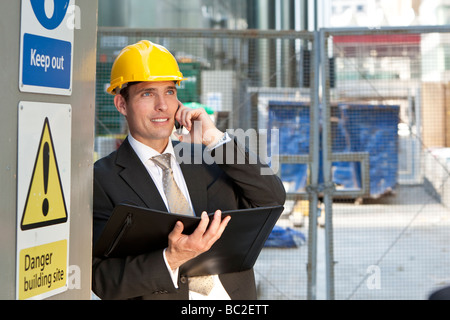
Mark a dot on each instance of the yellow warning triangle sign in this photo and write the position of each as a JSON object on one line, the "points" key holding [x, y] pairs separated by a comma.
{"points": [[45, 204]]}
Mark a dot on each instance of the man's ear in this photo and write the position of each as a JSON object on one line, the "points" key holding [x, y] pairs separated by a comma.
{"points": [[121, 104]]}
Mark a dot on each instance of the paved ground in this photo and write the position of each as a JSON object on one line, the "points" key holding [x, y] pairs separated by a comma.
{"points": [[396, 247]]}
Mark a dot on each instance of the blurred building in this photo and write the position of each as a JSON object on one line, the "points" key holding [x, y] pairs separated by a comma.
{"points": [[227, 14], [388, 13], [272, 14]]}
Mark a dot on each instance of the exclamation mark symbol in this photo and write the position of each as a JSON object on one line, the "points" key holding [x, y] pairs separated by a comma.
{"points": [[46, 155]]}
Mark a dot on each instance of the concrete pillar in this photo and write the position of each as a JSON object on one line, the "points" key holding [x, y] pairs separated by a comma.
{"points": [[45, 160]]}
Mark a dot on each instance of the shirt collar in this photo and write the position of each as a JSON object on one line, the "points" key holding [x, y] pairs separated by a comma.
{"points": [[145, 152]]}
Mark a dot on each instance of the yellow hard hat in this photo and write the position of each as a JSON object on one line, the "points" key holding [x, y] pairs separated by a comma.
{"points": [[143, 61]]}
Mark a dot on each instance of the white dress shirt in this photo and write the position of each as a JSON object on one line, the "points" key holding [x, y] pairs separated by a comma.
{"points": [[144, 153]]}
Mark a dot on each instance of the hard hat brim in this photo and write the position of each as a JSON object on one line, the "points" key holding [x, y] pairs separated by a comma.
{"points": [[119, 83]]}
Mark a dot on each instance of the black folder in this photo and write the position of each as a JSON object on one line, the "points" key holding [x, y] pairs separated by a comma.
{"points": [[133, 230]]}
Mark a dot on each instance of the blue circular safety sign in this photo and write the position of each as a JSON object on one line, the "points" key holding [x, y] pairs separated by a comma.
{"points": [[59, 12]]}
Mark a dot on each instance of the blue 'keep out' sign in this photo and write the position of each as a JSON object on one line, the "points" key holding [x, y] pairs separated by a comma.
{"points": [[46, 62], [46, 46]]}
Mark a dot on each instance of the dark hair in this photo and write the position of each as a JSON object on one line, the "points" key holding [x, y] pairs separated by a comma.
{"points": [[125, 92]]}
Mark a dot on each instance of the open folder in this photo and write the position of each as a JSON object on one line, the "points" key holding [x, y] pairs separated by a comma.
{"points": [[133, 230]]}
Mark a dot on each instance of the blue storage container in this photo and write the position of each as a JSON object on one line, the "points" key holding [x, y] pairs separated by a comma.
{"points": [[372, 129], [355, 128], [292, 119]]}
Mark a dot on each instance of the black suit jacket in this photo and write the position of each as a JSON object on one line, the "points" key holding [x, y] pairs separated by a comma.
{"points": [[222, 184]]}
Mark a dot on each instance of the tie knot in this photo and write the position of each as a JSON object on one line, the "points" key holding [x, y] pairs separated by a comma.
{"points": [[162, 161]]}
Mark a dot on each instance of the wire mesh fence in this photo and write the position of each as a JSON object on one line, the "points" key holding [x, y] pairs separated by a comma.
{"points": [[388, 101], [363, 154], [252, 84]]}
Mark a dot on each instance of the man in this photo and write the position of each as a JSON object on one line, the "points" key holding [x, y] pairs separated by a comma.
{"points": [[143, 79]]}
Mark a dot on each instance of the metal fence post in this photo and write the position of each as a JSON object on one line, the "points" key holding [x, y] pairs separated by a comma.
{"points": [[312, 189], [326, 169]]}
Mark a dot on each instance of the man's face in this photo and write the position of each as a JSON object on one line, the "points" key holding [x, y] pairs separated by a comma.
{"points": [[150, 112]]}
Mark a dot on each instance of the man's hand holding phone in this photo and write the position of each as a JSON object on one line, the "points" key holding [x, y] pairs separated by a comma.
{"points": [[200, 127]]}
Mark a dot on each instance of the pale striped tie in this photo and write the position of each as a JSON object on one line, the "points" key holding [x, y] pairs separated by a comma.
{"points": [[175, 199], [178, 204]]}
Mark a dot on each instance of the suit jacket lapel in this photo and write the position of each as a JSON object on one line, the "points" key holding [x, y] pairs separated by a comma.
{"points": [[137, 177]]}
